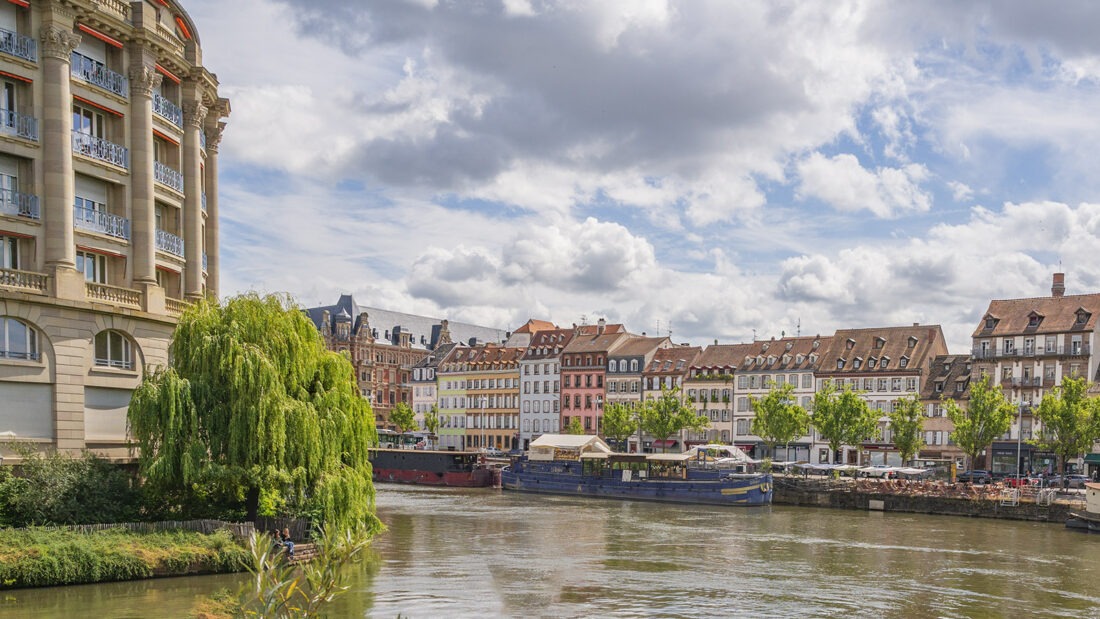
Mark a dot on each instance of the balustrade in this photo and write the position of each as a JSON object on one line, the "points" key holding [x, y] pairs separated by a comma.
{"points": [[98, 148], [170, 243], [167, 176], [18, 45], [25, 280], [175, 306], [113, 294], [99, 221], [167, 110], [96, 73], [19, 204], [14, 123]]}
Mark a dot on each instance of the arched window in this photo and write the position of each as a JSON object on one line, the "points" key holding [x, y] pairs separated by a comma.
{"points": [[112, 349], [633, 365], [18, 340]]}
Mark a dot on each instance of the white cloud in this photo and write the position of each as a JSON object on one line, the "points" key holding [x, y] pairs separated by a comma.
{"points": [[844, 184]]}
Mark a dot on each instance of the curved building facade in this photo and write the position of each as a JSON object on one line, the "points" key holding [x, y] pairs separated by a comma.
{"points": [[109, 133]]}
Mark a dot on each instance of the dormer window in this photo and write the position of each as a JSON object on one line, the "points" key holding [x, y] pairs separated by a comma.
{"points": [[771, 359], [790, 345], [786, 359], [850, 344], [990, 322], [798, 358], [879, 342], [857, 363], [840, 364], [1082, 316], [871, 363], [904, 362], [816, 344], [760, 359], [813, 357], [885, 362], [912, 342], [1033, 319], [764, 347], [939, 387]]}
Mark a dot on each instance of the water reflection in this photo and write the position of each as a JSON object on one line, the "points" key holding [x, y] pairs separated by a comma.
{"points": [[475, 553]]}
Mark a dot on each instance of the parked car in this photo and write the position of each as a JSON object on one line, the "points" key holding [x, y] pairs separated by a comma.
{"points": [[975, 477], [492, 452], [878, 470], [1019, 481], [1071, 481]]}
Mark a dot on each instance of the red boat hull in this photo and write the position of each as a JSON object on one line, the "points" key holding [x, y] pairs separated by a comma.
{"points": [[460, 469], [475, 479]]}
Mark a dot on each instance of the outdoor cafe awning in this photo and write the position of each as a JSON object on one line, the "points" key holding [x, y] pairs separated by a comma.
{"points": [[1092, 458]]}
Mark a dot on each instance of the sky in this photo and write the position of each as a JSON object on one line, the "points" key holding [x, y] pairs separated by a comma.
{"points": [[714, 170]]}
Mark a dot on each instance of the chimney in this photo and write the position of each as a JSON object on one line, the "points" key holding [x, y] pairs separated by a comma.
{"points": [[1058, 289], [600, 326]]}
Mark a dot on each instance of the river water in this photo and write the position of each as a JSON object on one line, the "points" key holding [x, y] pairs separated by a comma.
{"points": [[476, 553]]}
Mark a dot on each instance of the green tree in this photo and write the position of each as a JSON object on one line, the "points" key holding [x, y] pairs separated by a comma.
{"points": [[777, 418], [907, 426], [253, 405], [1067, 420], [842, 417], [988, 415], [574, 426], [403, 417], [620, 420], [431, 420], [668, 414]]}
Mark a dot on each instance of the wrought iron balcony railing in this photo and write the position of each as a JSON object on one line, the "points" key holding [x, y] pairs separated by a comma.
{"points": [[22, 125], [98, 148], [104, 223], [96, 73], [18, 45], [167, 176], [167, 110], [19, 204], [168, 242]]}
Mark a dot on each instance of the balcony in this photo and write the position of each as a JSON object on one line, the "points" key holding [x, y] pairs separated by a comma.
{"points": [[18, 45], [103, 223], [167, 176], [19, 204], [1033, 381], [98, 148], [175, 307], [170, 243], [96, 73], [112, 294], [24, 280], [19, 125], [167, 110], [1048, 351]]}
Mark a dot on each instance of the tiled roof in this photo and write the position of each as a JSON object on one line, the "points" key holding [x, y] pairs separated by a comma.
{"points": [[947, 370], [424, 331], [588, 340], [676, 360], [717, 356], [548, 344], [892, 343], [532, 326], [788, 353], [1056, 315], [638, 345]]}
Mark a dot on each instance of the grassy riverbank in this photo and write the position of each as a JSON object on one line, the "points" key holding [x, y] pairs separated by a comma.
{"points": [[38, 557]]}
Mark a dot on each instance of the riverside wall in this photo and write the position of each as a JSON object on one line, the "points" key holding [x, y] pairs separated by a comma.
{"points": [[846, 496]]}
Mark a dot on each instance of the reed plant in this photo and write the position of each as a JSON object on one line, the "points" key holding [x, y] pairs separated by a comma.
{"points": [[39, 557]]}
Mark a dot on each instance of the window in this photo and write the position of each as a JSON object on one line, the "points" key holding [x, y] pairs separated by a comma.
{"points": [[18, 340], [88, 121], [742, 382], [9, 252], [807, 381], [903, 362], [840, 364], [93, 266], [112, 349]]}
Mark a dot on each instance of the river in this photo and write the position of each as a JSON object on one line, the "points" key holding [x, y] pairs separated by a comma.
{"points": [[476, 553]]}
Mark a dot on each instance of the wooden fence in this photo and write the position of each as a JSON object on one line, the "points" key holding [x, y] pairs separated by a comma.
{"points": [[300, 530]]}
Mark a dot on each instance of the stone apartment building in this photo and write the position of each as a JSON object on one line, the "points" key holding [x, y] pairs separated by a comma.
{"points": [[491, 376], [540, 379], [384, 346], [108, 209], [709, 375], [948, 378], [884, 363], [786, 361], [1028, 346], [584, 370], [626, 365]]}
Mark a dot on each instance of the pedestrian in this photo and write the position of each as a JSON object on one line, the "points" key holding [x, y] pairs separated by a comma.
{"points": [[288, 543]]}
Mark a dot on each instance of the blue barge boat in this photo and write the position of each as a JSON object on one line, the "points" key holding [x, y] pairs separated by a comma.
{"points": [[585, 466]]}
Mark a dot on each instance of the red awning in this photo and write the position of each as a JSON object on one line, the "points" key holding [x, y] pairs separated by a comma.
{"points": [[668, 443]]}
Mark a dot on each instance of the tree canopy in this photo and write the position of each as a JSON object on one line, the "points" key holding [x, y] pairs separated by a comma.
{"points": [[1068, 420], [403, 417], [431, 420], [575, 426], [842, 417], [988, 415], [778, 419], [252, 406], [668, 414], [907, 426], [620, 420]]}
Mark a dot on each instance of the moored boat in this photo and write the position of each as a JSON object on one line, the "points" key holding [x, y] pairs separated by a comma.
{"points": [[431, 468], [1088, 520], [584, 465]]}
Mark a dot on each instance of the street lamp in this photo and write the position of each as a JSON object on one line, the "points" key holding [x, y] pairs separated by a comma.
{"points": [[1019, 439]]}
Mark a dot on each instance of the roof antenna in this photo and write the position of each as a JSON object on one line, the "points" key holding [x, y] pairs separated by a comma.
{"points": [[799, 327], [754, 335], [670, 328]]}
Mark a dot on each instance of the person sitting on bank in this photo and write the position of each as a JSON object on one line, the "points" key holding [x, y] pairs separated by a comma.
{"points": [[288, 543], [276, 538]]}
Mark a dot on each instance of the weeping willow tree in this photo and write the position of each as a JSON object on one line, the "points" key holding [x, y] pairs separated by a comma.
{"points": [[253, 407]]}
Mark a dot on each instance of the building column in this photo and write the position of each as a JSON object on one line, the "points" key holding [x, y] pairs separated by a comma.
{"points": [[213, 139], [194, 113], [58, 42], [143, 79]]}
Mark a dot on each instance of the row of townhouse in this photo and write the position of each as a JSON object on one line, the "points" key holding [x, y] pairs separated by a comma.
{"points": [[509, 389]]}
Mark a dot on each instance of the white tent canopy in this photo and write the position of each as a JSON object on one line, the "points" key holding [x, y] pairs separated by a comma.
{"points": [[553, 446]]}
